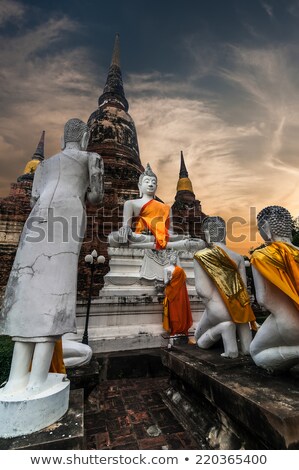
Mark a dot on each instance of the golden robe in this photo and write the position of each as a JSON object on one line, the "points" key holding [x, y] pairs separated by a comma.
{"points": [[177, 312], [279, 263], [154, 216], [224, 273]]}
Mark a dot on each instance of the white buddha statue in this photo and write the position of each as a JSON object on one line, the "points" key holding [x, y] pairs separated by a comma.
{"points": [[153, 227], [275, 268], [220, 281], [40, 299]]}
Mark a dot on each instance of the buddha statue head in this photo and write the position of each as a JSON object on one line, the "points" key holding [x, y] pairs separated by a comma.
{"points": [[275, 222], [214, 229], [147, 183], [76, 130]]}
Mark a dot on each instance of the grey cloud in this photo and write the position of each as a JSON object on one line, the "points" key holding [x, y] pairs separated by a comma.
{"points": [[40, 92], [10, 10]]}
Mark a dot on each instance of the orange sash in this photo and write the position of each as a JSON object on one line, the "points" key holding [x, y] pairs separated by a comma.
{"points": [[154, 216], [279, 263]]}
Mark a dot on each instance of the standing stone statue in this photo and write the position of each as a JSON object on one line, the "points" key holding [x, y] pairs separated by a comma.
{"points": [[220, 281], [177, 319], [275, 269], [40, 299], [153, 221]]}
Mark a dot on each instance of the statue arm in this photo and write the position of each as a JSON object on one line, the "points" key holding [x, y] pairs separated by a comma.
{"points": [[126, 230], [203, 284], [242, 271], [96, 178], [260, 287]]}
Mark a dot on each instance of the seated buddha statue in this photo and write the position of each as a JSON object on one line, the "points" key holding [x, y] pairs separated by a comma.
{"points": [[275, 268], [153, 221], [220, 281]]}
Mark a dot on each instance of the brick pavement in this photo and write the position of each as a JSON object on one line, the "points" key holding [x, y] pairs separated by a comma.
{"points": [[130, 414]]}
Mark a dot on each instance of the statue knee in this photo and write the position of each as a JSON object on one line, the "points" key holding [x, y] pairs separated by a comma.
{"points": [[113, 239]]}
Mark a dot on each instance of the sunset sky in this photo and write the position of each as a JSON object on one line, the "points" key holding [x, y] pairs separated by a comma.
{"points": [[218, 79]]}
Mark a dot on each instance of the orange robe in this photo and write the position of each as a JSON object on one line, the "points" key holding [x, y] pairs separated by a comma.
{"points": [[57, 364], [279, 263], [177, 312], [154, 216], [224, 273]]}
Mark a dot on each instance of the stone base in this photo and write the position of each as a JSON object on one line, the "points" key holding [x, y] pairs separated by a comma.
{"points": [[65, 434], [119, 323], [128, 314], [135, 272], [230, 403], [20, 415]]}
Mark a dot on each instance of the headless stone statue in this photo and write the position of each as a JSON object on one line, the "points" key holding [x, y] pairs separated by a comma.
{"points": [[40, 300], [275, 268], [177, 311], [220, 281], [153, 228]]}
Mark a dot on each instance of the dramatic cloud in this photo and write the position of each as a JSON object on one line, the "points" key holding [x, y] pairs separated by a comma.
{"points": [[232, 108], [10, 11], [40, 90]]}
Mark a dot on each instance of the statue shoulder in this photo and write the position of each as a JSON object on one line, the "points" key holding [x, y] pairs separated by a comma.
{"points": [[91, 155], [236, 257], [130, 203]]}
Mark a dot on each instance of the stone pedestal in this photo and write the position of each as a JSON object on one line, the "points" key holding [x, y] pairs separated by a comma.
{"points": [[20, 414], [128, 313], [137, 272], [65, 434]]}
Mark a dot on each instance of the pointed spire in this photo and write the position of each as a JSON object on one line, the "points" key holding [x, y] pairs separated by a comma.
{"points": [[39, 152], [37, 157], [113, 92], [184, 183], [183, 169], [116, 52]]}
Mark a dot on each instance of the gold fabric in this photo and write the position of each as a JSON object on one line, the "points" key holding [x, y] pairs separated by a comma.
{"points": [[279, 263], [224, 273], [31, 167], [184, 184]]}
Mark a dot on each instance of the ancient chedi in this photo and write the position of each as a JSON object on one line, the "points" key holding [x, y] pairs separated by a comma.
{"points": [[114, 137], [186, 210], [14, 210], [37, 157]]}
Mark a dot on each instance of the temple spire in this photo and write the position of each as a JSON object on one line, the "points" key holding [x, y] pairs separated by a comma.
{"points": [[113, 93], [183, 169], [37, 157], [40, 149], [184, 183], [116, 52]]}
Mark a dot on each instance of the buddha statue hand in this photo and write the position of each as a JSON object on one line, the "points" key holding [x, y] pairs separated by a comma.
{"points": [[124, 233]]}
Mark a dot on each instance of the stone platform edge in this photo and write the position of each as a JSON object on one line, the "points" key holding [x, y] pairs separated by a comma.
{"points": [[262, 409]]}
